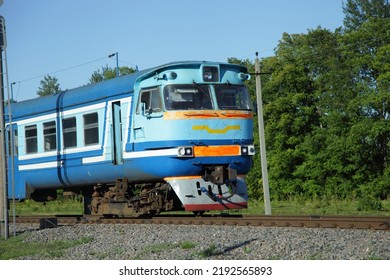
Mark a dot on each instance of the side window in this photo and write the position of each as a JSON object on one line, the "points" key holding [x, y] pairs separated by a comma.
{"points": [[30, 133], [49, 136], [91, 129], [69, 132], [152, 101]]}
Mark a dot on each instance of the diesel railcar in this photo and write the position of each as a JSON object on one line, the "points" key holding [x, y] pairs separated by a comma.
{"points": [[174, 137]]}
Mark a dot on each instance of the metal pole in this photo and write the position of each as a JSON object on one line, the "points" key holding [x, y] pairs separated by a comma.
{"points": [[117, 62], [4, 227], [11, 167], [263, 157], [117, 65], [12, 92]]}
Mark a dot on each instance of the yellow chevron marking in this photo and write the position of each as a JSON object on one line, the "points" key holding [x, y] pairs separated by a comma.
{"points": [[216, 131]]}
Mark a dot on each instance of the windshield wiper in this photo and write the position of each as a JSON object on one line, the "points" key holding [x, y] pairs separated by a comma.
{"points": [[201, 89]]}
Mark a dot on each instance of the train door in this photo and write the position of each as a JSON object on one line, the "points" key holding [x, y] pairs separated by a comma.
{"points": [[148, 110], [12, 158], [116, 133]]}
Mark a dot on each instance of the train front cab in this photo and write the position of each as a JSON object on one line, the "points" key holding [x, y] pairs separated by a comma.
{"points": [[203, 113]]}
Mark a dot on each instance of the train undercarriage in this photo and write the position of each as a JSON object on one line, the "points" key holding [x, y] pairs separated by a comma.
{"points": [[219, 188], [125, 199]]}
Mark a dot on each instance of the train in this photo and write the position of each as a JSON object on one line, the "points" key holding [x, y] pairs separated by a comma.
{"points": [[169, 138]]}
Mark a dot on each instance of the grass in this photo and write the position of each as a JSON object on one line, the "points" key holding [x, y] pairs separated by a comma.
{"points": [[56, 207], [209, 251], [16, 247], [187, 245], [296, 206]]}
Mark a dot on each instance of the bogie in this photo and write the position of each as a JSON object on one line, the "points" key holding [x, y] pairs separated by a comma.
{"points": [[124, 199]]}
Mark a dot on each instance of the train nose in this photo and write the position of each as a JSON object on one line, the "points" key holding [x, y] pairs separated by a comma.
{"points": [[197, 194]]}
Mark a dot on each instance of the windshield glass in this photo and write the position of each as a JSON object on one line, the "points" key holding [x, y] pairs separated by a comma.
{"points": [[187, 97], [232, 97]]}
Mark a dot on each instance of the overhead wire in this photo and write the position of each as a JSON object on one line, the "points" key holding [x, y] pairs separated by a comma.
{"points": [[61, 70]]}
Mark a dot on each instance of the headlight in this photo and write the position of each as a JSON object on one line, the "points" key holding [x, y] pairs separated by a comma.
{"points": [[210, 74], [248, 150], [185, 151]]}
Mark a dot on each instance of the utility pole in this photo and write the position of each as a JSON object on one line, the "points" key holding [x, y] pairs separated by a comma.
{"points": [[117, 62], [4, 227], [263, 157]]}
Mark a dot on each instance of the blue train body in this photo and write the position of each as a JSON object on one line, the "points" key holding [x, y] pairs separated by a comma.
{"points": [[185, 126]]}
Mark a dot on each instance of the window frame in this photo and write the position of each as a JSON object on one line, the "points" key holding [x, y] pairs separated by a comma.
{"points": [[91, 129], [148, 109], [31, 141], [69, 142], [203, 91], [50, 135], [236, 98]]}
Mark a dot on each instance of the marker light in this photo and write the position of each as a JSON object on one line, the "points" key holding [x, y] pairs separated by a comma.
{"points": [[243, 76], [248, 150], [185, 152]]}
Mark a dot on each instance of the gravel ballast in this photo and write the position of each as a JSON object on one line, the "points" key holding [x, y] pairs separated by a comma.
{"points": [[190, 242]]}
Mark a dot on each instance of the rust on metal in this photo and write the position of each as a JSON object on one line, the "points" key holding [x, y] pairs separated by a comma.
{"points": [[335, 222]]}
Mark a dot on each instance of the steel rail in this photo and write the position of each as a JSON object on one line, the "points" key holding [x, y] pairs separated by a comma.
{"points": [[336, 222]]}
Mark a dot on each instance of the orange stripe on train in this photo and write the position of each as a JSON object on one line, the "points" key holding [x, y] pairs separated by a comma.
{"points": [[206, 114], [212, 151]]}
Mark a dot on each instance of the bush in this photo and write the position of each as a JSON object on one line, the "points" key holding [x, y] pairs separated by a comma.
{"points": [[369, 203]]}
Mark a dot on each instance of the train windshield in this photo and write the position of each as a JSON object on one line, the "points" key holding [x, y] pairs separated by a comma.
{"points": [[188, 97], [232, 97]]}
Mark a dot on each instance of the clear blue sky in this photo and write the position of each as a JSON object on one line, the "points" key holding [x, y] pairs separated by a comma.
{"points": [[46, 36]]}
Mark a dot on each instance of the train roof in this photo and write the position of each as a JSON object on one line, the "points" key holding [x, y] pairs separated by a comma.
{"points": [[73, 97], [93, 92]]}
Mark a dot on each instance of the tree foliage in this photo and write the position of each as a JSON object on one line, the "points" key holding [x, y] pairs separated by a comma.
{"points": [[107, 73], [358, 12], [49, 86], [327, 109]]}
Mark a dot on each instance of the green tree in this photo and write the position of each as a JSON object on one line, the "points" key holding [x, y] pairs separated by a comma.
{"points": [[107, 73], [358, 12], [293, 112], [326, 109], [49, 86], [254, 177], [368, 50]]}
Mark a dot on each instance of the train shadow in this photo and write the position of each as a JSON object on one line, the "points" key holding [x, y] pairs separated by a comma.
{"points": [[213, 252]]}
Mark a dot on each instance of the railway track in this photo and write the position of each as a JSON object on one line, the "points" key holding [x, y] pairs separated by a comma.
{"points": [[337, 222]]}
